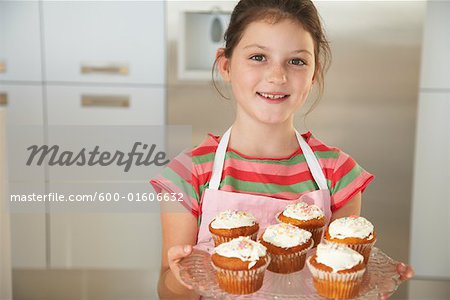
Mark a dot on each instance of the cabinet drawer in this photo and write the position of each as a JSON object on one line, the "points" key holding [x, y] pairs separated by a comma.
{"points": [[68, 105], [20, 46], [96, 41], [23, 104]]}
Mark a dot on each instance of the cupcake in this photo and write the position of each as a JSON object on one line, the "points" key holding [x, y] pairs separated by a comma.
{"points": [[240, 265], [355, 232], [305, 216], [337, 271], [287, 246], [230, 224]]}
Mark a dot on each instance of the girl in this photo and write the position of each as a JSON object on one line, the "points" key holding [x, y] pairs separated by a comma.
{"points": [[275, 52]]}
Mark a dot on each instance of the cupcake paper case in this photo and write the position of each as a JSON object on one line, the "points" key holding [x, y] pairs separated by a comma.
{"points": [[287, 247], [231, 224], [355, 232], [240, 265], [337, 271]]}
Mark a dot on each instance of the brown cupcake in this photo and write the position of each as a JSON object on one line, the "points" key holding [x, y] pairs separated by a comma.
{"points": [[287, 246], [230, 224], [240, 265], [305, 216], [337, 271], [355, 232]]}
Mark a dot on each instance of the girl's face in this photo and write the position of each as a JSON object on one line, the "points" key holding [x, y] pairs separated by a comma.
{"points": [[271, 71]]}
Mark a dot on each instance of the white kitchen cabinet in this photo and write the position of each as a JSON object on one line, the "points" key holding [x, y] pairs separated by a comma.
{"points": [[20, 46], [94, 105], [23, 104], [21, 96], [104, 41], [102, 63], [435, 72], [125, 240]]}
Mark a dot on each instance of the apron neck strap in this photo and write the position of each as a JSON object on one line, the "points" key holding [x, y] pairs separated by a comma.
{"points": [[313, 163], [219, 159], [310, 158]]}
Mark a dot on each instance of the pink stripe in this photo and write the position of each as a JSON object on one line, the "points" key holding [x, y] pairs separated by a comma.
{"points": [[161, 184], [342, 159], [185, 159], [283, 195], [264, 168]]}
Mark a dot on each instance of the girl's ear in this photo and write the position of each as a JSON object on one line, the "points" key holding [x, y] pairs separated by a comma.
{"points": [[223, 64], [316, 72]]}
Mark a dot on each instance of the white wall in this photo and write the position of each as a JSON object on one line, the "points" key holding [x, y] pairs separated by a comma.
{"points": [[430, 231]]}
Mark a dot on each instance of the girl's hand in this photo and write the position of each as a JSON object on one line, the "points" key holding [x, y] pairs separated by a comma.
{"points": [[175, 254], [405, 271]]}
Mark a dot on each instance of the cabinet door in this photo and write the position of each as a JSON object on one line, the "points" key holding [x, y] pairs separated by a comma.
{"points": [[104, 41], [20, 46], [88, 239], [106, 241], [23, 104], [87, 105]]}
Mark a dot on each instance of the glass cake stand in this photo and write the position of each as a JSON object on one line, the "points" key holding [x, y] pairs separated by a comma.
{"points": [[380, 279]]}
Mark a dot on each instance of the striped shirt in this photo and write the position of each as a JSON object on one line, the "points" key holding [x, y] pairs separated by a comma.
{"points": [[285, 178]]}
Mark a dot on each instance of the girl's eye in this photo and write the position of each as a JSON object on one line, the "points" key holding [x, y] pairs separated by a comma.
{"points": [[257, 57], [297, 62]]}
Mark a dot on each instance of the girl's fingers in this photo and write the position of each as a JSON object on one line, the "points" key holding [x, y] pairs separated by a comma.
{"points": [[175, 254], [178, 252], [405, 272]]}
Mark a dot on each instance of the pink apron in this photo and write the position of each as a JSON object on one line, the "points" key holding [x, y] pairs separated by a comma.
{"points": [[262, 207]]}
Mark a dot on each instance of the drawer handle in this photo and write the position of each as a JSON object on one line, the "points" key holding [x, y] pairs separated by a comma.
{"points": [[104, 101], [2, 67], [3, 99], [107, 69]]}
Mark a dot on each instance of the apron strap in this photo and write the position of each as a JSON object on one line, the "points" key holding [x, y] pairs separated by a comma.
{"points": [[311, 161], [219, 160]]}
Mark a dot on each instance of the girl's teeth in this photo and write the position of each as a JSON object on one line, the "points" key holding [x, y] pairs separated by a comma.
{"points": [[272, 96]]}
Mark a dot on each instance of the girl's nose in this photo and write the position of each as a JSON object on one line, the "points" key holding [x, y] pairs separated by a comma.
{"points": [[277, 75]]}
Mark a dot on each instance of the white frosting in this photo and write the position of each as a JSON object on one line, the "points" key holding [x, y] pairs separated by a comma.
{"points": [[302, 211], [285, 235], [229, 219], [243, 248], [338, 257], [353, 226]]}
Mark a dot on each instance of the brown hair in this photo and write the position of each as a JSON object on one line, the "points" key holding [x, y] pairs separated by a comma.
{"points": [[303, 11]]}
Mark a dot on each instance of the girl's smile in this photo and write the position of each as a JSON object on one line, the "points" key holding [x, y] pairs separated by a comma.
{"points": [[273, 98]]}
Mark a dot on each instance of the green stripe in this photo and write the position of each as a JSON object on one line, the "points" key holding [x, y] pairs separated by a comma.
{"points": [[296, 159], [200, 159], [182, 184], [347, 179], [326, 154]]}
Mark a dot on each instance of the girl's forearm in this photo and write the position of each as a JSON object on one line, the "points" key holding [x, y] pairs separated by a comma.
{"points": [[170, 288], [352, 207]]}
